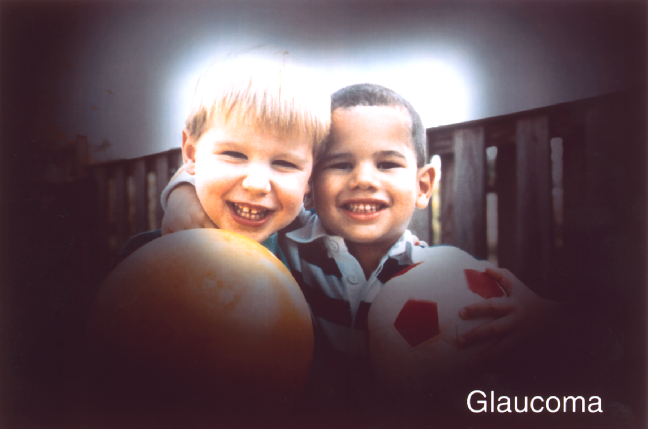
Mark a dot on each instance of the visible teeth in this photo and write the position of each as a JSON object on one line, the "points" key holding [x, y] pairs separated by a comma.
{"points": [[363, 208], [248, 213]]}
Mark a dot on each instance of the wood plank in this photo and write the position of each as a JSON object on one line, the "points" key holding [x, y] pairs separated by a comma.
{"points": [[162, 179], [595, 207], [420, 224], [99, 225], [506, 207], [121, 205], [501, 133], [446, 186], [440, 146], [176, 160], [140, 197], [574, 259], [534, 212], [82, 156], [469, 191], [83, 212]]}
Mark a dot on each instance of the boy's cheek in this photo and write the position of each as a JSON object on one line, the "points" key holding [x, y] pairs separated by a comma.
{"points": [[294, 188], [292, 199]]}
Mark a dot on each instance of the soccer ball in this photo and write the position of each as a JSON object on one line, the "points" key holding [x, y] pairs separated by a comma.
{"points": [[414, 320]]}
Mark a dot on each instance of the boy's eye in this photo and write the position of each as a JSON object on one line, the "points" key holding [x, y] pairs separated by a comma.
{"points": [[285, 164], [387, 165], [233, 154]]}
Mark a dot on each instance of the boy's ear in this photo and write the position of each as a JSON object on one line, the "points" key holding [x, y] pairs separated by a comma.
{"points": [[309, 198], [188, 153], [426, 176]]}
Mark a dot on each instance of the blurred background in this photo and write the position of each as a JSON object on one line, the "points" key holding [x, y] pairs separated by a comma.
{"points": [[92, 92], [121, 72]]}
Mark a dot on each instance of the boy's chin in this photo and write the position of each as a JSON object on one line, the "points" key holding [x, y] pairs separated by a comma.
{"points": [[259, 234], [259, 238], [372, 239], [362, 240]]}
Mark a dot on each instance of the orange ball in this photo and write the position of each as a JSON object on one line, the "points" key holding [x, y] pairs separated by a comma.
{"points": [[202, 324]]}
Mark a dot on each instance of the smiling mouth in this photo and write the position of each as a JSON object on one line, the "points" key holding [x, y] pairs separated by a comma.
{"points": [[250, 212], [363, 208]]}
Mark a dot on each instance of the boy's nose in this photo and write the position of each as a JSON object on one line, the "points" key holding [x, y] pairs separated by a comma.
{"points": [[257, 181], [363, 177]]}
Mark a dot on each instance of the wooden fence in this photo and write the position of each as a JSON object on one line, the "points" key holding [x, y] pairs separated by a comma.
{"points": [[557, 191], [562, 189], [127, 200]]}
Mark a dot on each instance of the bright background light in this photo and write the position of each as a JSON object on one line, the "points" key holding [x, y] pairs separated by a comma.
{"points": [[439, 91]]}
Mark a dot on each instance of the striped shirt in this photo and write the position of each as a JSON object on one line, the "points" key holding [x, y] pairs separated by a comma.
{"points": [[335, 287]]}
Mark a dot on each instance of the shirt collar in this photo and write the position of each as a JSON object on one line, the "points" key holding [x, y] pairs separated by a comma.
{"points": [[404, 244], [271, 243], [309, 232]]}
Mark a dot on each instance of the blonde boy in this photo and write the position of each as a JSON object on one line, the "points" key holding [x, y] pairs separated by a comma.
{"points": [[255, 127]]}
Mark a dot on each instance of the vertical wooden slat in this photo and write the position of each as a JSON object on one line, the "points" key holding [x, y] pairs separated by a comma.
{"points": [[469, 191], [533, 221], [121, 208], [100, 257], [575, 258], [574, 182], [140, 197], [506, 206], [162, 178], [82, 156], [446, 199], [82, 249], [176, 160], [594, 203], [604, 133], [420, 224]]}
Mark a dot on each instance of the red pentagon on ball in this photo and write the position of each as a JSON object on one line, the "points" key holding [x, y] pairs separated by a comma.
{"points": [[418, 321], [482, 284]]}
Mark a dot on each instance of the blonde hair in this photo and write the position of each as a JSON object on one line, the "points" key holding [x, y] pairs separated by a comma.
{"points": [[262, 88]]}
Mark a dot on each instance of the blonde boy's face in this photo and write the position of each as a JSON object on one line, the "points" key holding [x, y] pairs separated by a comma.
{"points": [[249, 181], [368, 184]]}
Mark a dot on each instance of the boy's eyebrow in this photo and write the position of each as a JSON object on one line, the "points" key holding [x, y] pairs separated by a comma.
{"points": [[293, 157], [392, 153], [346, 155], [336, 156], [236, 145]]}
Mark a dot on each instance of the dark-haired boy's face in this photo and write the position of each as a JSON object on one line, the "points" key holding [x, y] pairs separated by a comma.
{"points": [[367, 186]]}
